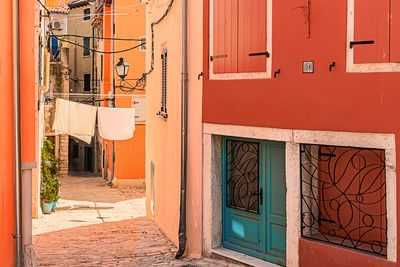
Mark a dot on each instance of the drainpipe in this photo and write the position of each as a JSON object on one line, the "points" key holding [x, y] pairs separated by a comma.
{"points": [[184, 119], [113, 84], [17, 137]]}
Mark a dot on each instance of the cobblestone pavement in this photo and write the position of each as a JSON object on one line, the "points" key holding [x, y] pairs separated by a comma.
{"points": [[96, 225]]}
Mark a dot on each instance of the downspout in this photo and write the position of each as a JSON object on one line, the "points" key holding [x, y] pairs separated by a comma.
{"points": [[184, 120], [17, 137], [113, 86]]}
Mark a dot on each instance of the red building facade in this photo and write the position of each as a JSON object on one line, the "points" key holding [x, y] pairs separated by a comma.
{"points": [[321, 78]]}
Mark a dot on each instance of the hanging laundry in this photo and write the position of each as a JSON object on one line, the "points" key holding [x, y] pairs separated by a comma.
{"points": [[116, 123], [75, 119]]}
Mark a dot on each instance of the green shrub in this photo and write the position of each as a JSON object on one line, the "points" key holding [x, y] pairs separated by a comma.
{"points": [[49, 170]]}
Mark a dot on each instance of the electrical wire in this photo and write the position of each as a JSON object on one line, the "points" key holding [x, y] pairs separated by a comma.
{"points": [[141, 82], [91, 49], [101, 38]]}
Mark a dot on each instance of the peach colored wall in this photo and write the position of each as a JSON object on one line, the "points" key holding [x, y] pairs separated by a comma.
{"points": [[194, 167], [163, 135], [130, 154]]}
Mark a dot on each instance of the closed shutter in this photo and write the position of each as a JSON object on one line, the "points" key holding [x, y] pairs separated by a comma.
{"points": [[252, 36], [371, 23], [395, 31], [225, 36]]}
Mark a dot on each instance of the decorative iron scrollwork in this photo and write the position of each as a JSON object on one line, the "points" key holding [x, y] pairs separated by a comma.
{"points": [[242, 175], [343, 196]]}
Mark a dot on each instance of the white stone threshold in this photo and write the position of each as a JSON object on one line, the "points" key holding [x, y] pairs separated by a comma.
{"points": [[242, 258]]}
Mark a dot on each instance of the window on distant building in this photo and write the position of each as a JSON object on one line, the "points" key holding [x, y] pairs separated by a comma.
{"points": [[343, 196], [86, 82], [101, 67], [86, 44], [239, 37], [373, 34], [86, 13], [164, 61]]}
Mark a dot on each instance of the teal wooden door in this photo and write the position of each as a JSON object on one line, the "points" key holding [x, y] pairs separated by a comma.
{"points": [[254, 198]]}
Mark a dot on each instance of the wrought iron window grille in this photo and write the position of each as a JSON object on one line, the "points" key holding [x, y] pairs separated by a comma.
{"points": [[242, 175], [164, 61], [343, 196]]}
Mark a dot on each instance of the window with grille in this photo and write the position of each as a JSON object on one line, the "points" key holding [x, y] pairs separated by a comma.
{"points": [[86, 13], [343, 196], [164, 61], [86, 44]]}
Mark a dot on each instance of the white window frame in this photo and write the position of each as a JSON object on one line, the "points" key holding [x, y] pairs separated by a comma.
{"points": [[362, 67], [242, 75]]}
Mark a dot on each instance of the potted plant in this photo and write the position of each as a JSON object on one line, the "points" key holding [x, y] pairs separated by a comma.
{"points": [[50, 184]]}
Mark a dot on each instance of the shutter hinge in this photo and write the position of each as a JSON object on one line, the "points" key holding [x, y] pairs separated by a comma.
{"points": [[266, 54], [353, 43], [217, 57]]}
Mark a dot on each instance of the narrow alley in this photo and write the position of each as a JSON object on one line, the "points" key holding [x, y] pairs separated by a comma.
{"points": [[96, 225]]}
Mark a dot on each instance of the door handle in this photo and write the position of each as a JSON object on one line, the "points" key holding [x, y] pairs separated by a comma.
{"points": [[259, 194]]}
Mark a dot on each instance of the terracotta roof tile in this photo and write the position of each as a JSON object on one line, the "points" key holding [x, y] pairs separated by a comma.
{"points": [[63, 9]]}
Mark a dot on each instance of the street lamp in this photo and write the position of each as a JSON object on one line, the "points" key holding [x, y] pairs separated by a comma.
{"points": [[122, 68]]}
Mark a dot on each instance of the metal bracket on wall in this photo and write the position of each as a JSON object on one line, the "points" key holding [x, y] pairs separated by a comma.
{"points": [[277, 72], [332, 65], [353, 43]]}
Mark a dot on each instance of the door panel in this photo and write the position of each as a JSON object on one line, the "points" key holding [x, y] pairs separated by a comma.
{"points": [[276, 204], [242, 213], [254, 198], [225, 36], [243, 230], [371, 22], [252, 35]]}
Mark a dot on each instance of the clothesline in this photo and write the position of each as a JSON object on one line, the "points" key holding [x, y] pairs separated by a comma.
{"points": [[79, 120]]}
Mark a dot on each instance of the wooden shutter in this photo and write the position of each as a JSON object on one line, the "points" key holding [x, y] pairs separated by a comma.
{"points": [[225, 36], [252, 35], [395, 31], [371, 22]]}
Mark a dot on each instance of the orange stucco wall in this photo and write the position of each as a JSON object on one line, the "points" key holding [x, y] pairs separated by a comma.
{"points": [[28, 100], [163, 135], [6, 140], [129, 22]]}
